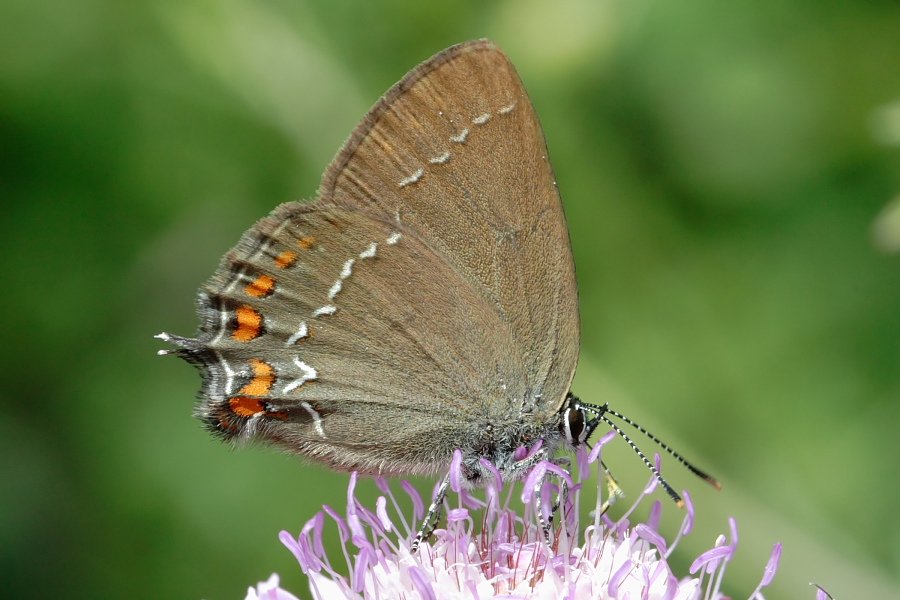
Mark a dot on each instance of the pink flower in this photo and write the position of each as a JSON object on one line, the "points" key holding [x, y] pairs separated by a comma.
{"points": [[489, 550], [269, 590]]}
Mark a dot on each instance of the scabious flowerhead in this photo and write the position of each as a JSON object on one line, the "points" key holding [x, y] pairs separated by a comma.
{"points": [[493, 548]]}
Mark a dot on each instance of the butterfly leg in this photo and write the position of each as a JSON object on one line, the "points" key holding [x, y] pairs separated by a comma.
{"points": [[433, 515], [561, 498], [523, 466]]}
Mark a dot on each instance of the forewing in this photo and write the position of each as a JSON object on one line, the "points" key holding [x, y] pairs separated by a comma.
{"points": [[456, 153]]}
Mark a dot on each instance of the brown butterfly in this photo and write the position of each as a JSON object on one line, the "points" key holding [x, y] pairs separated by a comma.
{"points": [[424, 302]]}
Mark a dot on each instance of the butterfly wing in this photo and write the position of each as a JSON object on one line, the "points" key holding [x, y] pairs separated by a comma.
{"points": [[427, 294], [455, 152]]}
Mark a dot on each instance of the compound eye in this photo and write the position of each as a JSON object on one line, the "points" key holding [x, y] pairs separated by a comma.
{"points": [[574, 425]]}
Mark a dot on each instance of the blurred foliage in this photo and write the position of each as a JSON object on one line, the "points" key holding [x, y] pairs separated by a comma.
{"points": [[722, 166]]}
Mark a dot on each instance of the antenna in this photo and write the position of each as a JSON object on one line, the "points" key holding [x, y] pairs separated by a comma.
{"points": [[601, 413]]}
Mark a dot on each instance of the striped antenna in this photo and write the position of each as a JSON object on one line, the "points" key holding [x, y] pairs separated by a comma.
{"points": [[601, 413]]}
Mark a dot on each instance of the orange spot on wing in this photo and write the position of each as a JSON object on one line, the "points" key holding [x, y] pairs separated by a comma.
{"points": [[249, 324], [285, 259], [243, 406], [263, 286], [263, 378], [306, 242]]}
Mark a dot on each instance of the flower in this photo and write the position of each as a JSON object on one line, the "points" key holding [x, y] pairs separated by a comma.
{"points": [[269, 590], [489, 550]]}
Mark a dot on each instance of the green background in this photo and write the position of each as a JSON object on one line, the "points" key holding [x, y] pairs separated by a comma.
{"points": [[723, 167]]}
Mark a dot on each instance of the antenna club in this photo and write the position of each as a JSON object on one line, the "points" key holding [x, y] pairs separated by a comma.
{"points": [[680, 503]]}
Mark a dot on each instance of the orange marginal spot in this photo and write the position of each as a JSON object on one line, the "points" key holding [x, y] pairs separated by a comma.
{"points": [[243, 406], [263, 286], [249, 324], [285, 259], [263, 378], [306, 242]]}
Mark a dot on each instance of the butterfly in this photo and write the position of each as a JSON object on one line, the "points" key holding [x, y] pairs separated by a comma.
{"points": [[424, 302]]}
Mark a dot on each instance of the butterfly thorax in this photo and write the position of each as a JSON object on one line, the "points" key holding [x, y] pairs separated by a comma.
{"points": [[506, 445]]}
